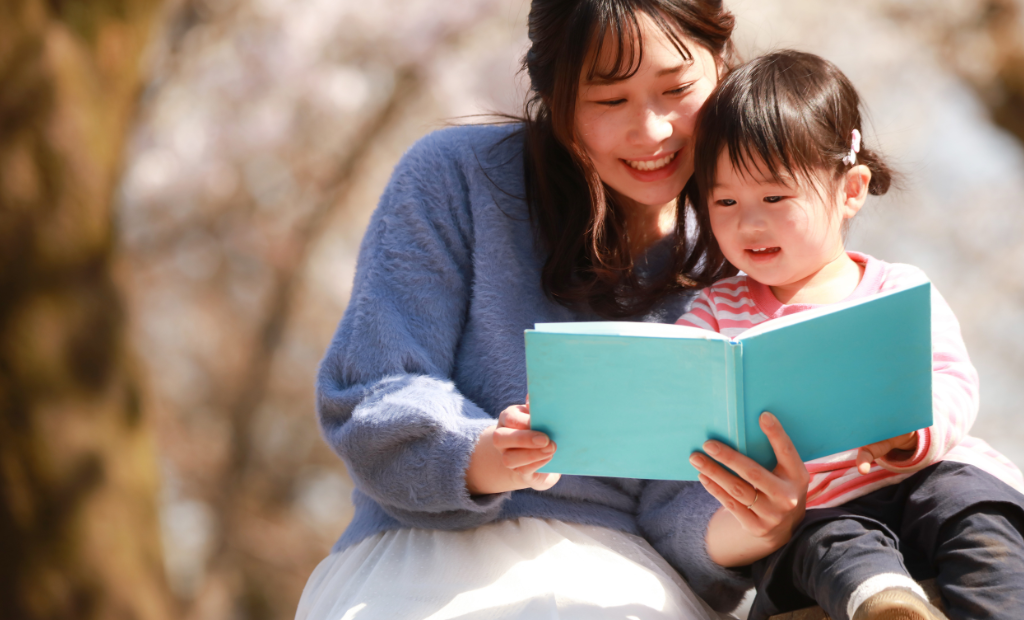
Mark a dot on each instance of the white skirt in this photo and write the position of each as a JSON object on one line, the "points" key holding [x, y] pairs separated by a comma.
{"points": [[523, 569]]}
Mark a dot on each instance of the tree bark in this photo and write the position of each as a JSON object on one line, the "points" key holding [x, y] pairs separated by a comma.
{"points": [[79, 536]]}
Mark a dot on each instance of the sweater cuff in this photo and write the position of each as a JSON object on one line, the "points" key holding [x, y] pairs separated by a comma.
{"points": [[916, 461]]}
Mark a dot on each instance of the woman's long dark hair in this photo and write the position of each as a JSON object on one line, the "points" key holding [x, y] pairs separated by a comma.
{"points": [[794, 113], [579, 222]]}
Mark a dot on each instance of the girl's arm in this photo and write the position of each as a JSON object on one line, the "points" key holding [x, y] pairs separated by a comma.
{"points": [[954, 390], [385, 399]]}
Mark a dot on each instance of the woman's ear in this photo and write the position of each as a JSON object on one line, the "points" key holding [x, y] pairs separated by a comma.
{"points": [[855, 190]]}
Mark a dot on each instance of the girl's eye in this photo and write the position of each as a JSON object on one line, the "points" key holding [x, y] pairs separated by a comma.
{"points": [[725, 202], [773, 199]]}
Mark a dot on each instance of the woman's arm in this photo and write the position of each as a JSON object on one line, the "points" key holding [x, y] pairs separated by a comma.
{"points": [[727, 520], [386, 402]]}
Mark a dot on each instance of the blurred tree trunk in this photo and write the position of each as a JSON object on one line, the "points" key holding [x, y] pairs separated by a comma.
{"points": [[78, 479]]}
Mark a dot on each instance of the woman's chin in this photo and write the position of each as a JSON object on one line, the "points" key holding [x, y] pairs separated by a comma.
{"points": [[654, 197]]}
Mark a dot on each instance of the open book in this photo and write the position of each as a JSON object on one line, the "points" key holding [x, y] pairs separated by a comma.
{"points": [[636, 399]]}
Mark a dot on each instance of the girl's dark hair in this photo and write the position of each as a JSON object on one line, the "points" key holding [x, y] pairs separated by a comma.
{"points": [[793, 111], [580, 223]]}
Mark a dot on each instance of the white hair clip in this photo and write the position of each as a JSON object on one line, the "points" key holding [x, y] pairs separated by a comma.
{"points": [[851, 157]]}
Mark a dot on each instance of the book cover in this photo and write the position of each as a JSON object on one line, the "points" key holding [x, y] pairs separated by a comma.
{"points": [[634, 400]]}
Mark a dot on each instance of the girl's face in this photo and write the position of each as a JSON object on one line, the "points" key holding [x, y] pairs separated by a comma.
{"points": [[784, 235], [638, 132]]}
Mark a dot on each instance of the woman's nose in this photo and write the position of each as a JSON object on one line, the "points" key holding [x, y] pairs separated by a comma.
{"points": [[651, 128]]}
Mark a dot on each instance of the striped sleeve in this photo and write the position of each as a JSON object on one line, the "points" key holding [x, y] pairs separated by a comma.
{"points": [[702, 313], [955, 385]]}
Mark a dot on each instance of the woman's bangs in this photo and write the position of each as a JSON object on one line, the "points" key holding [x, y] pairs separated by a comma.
{"points": [[621, 28]]}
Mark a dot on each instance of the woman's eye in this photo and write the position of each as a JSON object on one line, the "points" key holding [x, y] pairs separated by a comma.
{"points": [[773, 199], [725, 202], [612, 102], [678, 91]]}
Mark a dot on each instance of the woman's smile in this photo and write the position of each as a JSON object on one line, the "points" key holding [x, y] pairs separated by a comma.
{"points": [[653, 169]]}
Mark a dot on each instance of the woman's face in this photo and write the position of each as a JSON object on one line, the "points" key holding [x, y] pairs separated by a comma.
{"points": [[638, 132]]}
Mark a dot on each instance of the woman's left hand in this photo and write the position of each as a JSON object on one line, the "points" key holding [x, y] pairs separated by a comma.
{"points": [[761, 508]]}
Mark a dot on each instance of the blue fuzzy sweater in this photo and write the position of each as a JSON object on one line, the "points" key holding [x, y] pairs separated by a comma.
{"points": [[430, 350]]}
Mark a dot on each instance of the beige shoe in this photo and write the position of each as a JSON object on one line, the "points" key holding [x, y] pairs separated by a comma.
{"points": [[897, 604]]}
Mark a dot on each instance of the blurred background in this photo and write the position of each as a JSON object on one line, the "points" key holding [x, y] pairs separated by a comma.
{"points": [[183, 188]]}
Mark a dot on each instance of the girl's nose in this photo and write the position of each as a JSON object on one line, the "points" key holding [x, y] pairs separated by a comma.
{"points": [[751, 219], [652, 128]]}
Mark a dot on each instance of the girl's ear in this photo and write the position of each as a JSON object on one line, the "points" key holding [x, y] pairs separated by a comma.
{"points": [[855, 191]]}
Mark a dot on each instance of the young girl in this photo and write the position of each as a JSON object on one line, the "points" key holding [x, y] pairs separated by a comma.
{"points": [[780, 170]]}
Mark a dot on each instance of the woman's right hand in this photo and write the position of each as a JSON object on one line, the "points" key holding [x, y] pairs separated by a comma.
{"points": [[760, 508], [508, 455]]}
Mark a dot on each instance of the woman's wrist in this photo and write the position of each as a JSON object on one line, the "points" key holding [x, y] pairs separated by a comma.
{"points": [[730, 545], [487, 473]]}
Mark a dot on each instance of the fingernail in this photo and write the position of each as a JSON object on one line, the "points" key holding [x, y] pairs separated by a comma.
{"points": [[696, 460], [540, 440], [711, 447], [769, 419]]}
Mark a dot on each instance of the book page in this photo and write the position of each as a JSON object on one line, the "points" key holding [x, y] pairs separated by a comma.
{"points": [[629, 328]]}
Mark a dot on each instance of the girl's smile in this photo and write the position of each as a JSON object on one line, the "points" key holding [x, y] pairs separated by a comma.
{"points": [[762, 255]]}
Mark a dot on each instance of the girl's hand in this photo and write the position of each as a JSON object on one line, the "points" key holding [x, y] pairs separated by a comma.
{"points": [[508, 455], [761, 508], [867, 455]]}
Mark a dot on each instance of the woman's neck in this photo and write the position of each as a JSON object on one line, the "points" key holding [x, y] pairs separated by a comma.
{"points": [[832, 283], [646, 225]]}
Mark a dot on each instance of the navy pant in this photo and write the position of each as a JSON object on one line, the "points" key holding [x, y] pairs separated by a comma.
{"points": [[952, 522]]}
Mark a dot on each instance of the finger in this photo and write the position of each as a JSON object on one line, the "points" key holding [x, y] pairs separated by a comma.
{"points": [[510, 438], [516, 459], [867, 455], [516, 416], [739, 490], [543, 482], [864, 460], [744, 469], [790, 465], [747, 518], [537, 480]]}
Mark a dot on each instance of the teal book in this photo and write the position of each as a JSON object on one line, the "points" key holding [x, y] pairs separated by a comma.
{"points": [[634, 400]]}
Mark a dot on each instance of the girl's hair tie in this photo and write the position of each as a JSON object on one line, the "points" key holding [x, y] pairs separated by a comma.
{"points": [[851, 157]]}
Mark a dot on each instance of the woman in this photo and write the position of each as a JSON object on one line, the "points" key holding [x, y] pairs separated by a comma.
{"points": [[482, 232]]}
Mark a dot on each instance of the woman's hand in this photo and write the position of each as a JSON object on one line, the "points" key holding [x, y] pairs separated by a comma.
{"points": [[761, 508], [508, 455], [867, 455]]}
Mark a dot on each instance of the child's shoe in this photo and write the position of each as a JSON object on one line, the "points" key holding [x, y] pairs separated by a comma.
{"points": [[897, 604]]}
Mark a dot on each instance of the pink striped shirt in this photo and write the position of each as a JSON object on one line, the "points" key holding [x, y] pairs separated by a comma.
{"points": [[734, 305]]}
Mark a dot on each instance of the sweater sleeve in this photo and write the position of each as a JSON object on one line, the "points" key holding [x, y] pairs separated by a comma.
{"points": [[673, 517], [955, 383], [385, 398]]}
